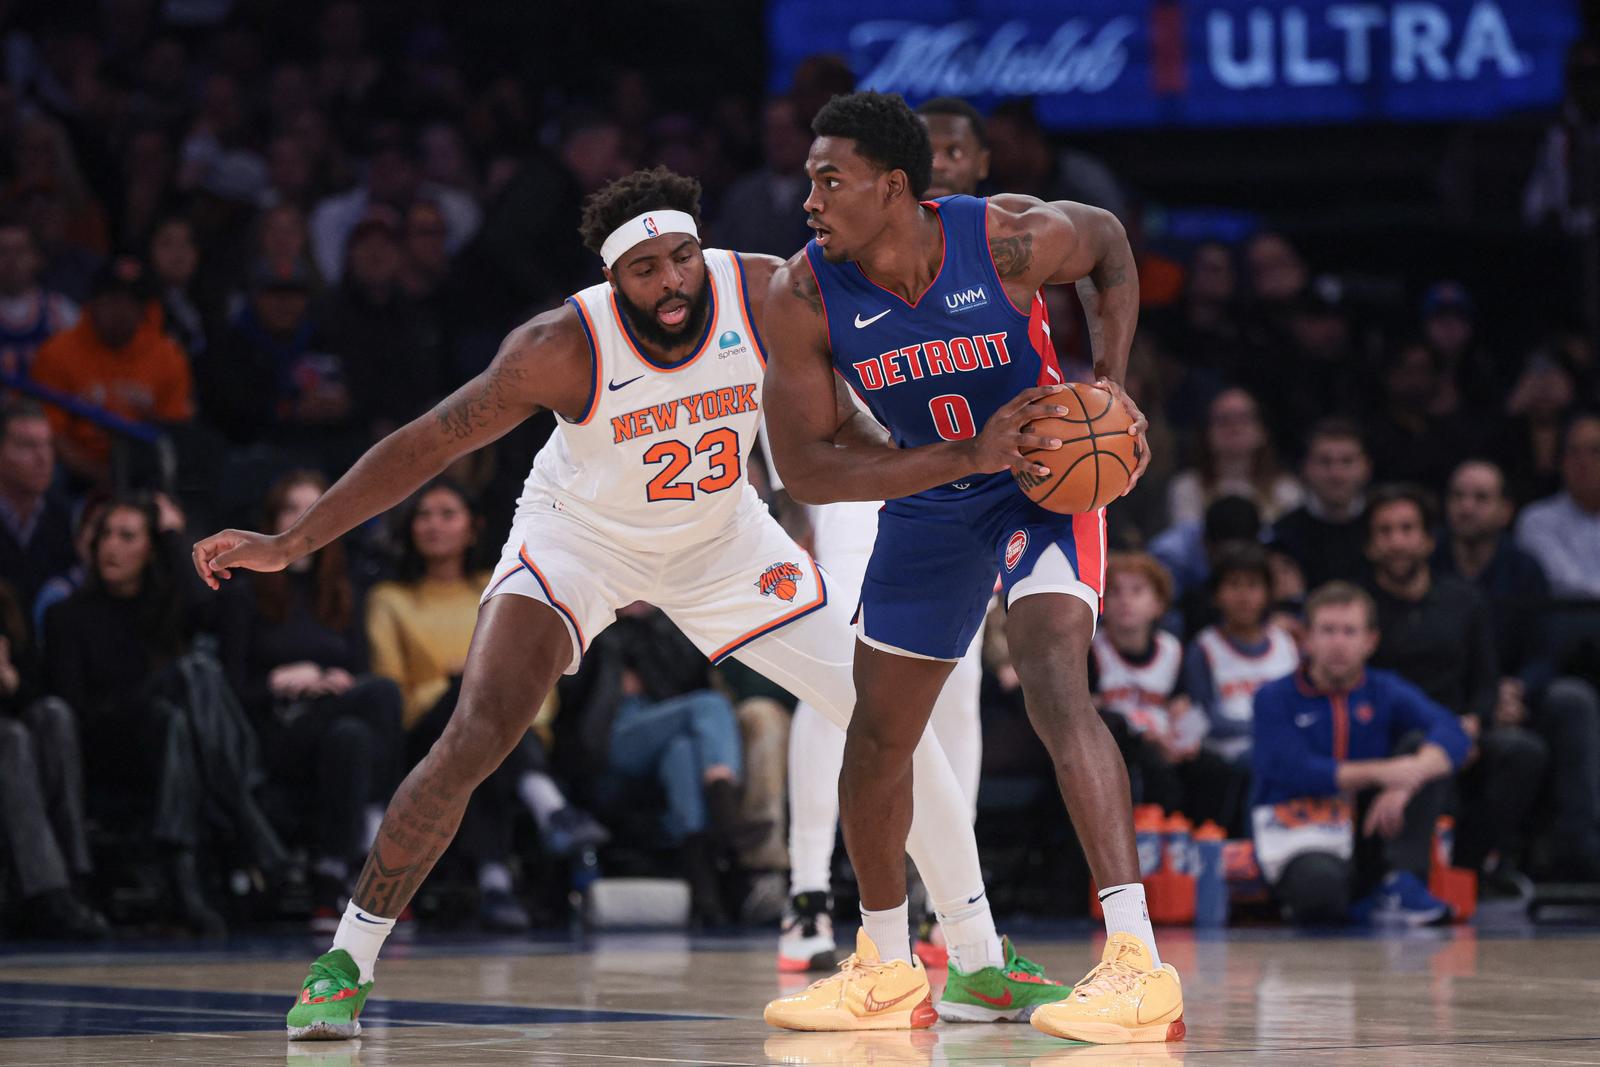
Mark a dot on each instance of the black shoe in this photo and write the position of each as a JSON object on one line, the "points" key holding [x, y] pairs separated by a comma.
{"points": [[499, 911], [189, 900], [58, 915], [705, 882], [571, 830], [1502, 881]]}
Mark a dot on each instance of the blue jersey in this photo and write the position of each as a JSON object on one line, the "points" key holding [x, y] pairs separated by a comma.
{"points": [[935, 369]]}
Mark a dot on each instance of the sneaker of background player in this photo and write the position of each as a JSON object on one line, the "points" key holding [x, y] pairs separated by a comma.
{"points": [[881, 1048], [1500, 880], [569, 830], [1125, 998], [929, 944], [1401, 900], [330, 1001], [867, 994], [1009, 993], [501, 912], [806, 941]]}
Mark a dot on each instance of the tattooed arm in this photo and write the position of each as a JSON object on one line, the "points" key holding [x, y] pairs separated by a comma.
{"points": [[1035, 243], [543, 363]]}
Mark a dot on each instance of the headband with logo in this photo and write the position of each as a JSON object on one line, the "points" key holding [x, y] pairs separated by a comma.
{"points": [[642, 228]]}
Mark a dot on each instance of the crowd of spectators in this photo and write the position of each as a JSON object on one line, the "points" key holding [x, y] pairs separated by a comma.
{"points": [[232, 257]]}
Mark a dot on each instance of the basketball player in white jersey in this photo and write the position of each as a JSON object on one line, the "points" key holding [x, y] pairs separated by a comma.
{"points": [[640, 494], [842, 536]]}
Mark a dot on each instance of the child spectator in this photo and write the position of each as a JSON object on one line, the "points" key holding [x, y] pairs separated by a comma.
{"points": [[1333, 731], [1227, 662]]}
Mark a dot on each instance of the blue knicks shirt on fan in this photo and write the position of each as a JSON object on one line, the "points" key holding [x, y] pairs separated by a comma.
{"points": [[936, 370]]}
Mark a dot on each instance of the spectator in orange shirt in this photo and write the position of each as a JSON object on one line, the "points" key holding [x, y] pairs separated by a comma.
{"points": [[116, 358]]}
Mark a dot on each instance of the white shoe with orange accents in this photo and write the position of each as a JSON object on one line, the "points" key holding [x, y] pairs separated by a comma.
{"points": [[866, 994], [1124, 998]]}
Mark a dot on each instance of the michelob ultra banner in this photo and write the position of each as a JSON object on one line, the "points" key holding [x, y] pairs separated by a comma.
{"points": [[1106, 64]]}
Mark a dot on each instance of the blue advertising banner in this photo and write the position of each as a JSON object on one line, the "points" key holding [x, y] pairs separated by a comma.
{"points": [[1128, 63]]}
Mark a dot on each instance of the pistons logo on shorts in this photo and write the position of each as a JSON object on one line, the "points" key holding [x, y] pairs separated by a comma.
{"points": [[1015, 548], [781, 580]]}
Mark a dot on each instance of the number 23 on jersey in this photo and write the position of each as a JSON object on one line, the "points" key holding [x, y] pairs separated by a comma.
{"points": [[721, 448]]}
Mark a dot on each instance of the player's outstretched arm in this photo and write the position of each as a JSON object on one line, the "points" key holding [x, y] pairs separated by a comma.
{"points": [[824, 456], [1034, 243], [543, 363]]}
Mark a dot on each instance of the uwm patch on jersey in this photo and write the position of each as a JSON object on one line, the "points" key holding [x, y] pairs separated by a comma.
{"points": [[657, 459]]}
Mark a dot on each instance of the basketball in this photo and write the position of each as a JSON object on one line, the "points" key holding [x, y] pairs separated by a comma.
{"points": [[1097, 456]]}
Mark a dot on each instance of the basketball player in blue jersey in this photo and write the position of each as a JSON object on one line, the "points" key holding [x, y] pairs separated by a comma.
{"points": [[640, 494], [921, 307]]}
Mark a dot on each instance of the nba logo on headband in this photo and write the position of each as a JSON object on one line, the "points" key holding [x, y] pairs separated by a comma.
{"points": [[650, 228], [654, 223]]}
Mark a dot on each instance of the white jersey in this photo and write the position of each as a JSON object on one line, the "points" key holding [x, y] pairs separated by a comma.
{"points": [[1138, 691], [1236, 676], [657, 460]]}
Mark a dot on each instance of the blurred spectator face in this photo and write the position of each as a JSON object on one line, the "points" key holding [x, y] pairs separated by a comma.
{"points": [[289, 166], [116, 316], [290, 90], [174, 254], [27, 456], [442, 529], [165, 67], [426, 238], [1336, 471], [1212, 279], [783, 140], [1277, 272], [391, 176], [1019, 156], [1475, 505], [1580, 463], [219, 104], [1234, 426], [19, 260], [1132, 603], [1448, 332], [1411, 380], [1319, 332], [444, 156], [1543, 392], [594, 155], [1398, 542], [297, 500], [960, 161], [37, 156], [123, 549], [283, 235], [661, 287], [1242, 599], [148, 158], [1339, 639], [373, 258]]}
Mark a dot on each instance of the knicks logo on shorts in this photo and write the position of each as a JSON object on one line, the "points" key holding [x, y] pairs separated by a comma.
{"points": [[1015, 548], [781, 580]]}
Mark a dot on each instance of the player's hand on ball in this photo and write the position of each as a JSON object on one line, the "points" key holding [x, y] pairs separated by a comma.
{"points": [[217, 555], [999, 444], [1137, 430]]}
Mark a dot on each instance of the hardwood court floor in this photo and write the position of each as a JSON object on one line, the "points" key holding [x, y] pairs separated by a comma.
{"points": [[1252, 997]]}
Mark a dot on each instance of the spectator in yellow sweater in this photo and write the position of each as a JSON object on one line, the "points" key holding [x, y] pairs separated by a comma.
{"points": [[419, 628]]}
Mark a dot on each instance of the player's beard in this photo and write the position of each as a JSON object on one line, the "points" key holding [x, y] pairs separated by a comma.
{"points": [[649, 328]]}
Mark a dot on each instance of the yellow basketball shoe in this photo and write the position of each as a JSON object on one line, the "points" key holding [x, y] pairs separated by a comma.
{"points": [[866, 994], [1124, 998]]}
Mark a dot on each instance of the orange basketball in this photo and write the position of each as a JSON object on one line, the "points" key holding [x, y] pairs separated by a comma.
{"points": [[1097, 456]]}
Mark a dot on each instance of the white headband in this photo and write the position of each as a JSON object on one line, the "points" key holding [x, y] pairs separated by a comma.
{"points": [[642, 228]]}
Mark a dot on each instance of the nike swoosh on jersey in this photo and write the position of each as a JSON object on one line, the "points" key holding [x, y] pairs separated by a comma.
{"points": [[614, 386], [861, 323]]}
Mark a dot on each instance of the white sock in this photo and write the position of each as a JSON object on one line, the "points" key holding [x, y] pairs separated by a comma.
{"points": [[362, 935], [969, 933], [542, 796], [816, 752], [1126, 913], [494, 877], [890, 930]]}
